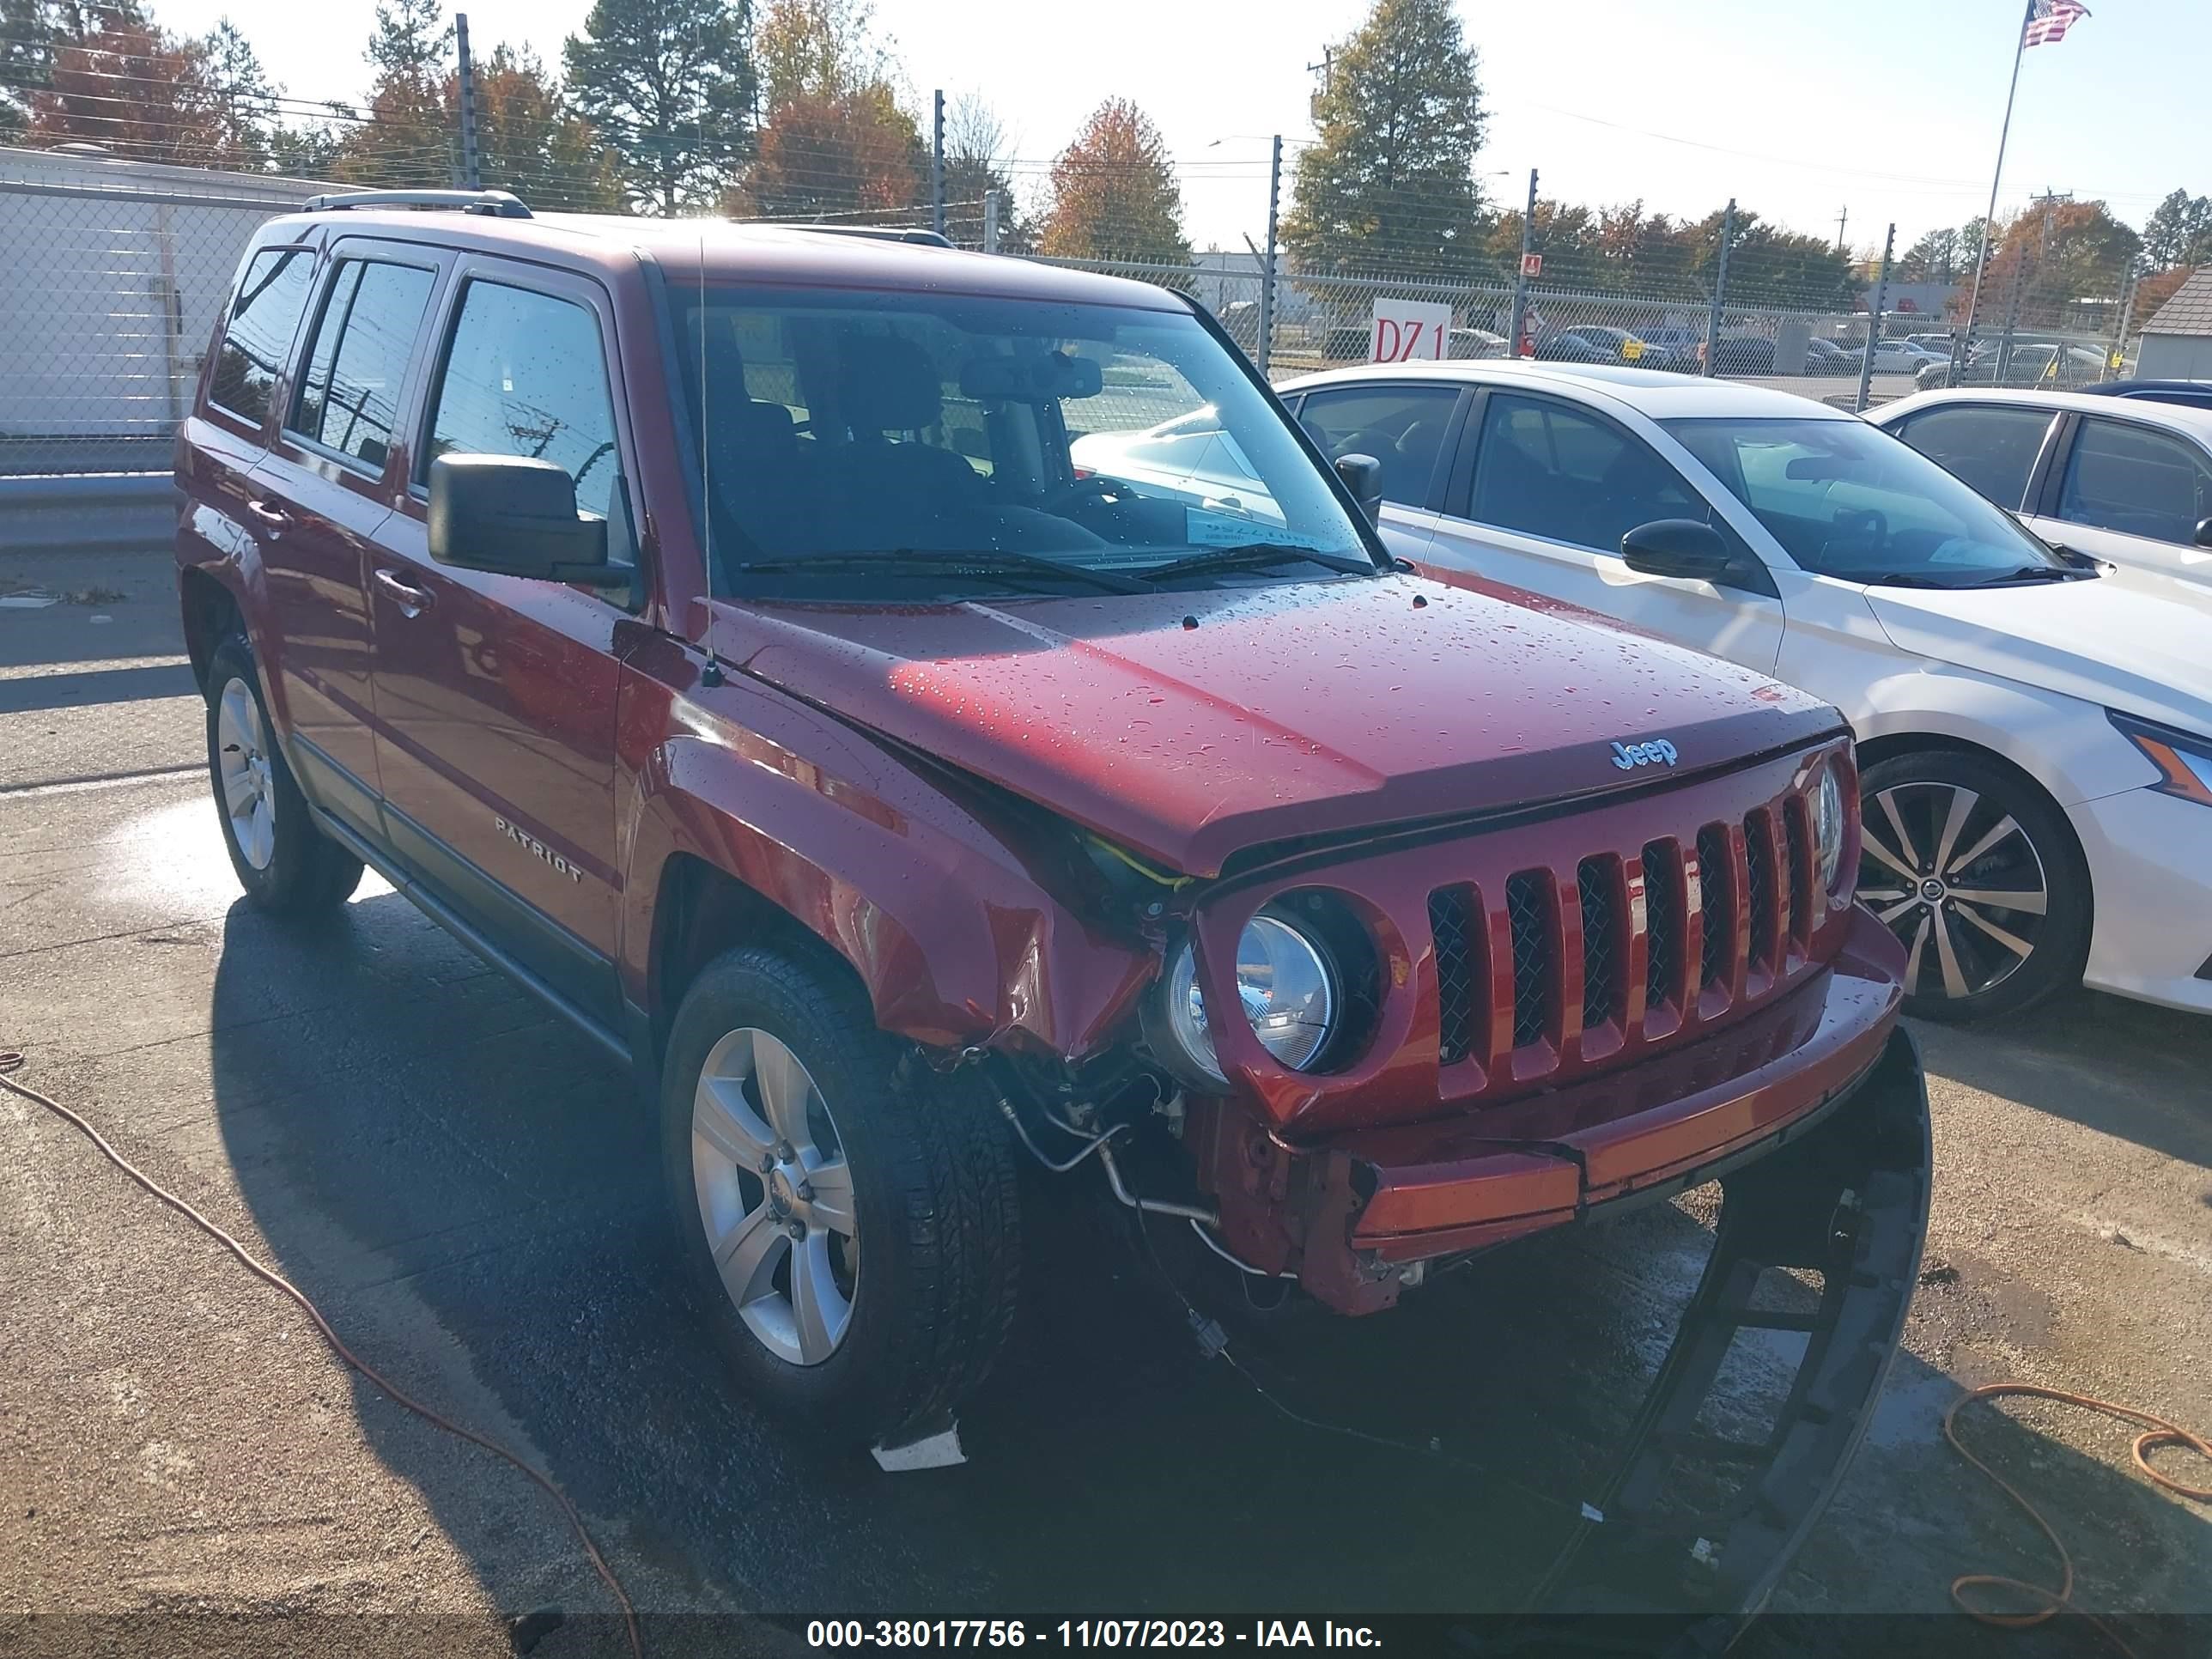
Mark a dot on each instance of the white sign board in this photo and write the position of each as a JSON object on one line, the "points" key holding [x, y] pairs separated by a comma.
{"points": [[1405, 330]]}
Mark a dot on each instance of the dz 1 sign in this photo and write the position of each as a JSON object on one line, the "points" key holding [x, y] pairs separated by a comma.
{"points": [[1406, 330]]}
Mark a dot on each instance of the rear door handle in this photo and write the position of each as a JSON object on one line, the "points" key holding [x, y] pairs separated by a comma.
{"points": [[273, 520], [412, 601]]}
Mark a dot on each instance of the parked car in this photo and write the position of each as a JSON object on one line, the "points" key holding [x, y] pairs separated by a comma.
{"points": [[2036, 733], [2191, 394], [2130, 480], [1935, 345], [1893, 357], [1826, 357], [1611, 345], [709, 626], [2027, 365], [1568, 345], [1743, 355], [1685, 348]]}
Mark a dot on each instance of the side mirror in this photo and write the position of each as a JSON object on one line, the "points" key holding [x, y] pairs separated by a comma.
{"points": [[1678, 547], [517, 517], [2204, 532], [1363, 477]]}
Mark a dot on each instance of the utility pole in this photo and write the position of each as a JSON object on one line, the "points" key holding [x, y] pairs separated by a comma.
{"points": [[2117, 358], [1842, 219], [471, 174], [1874, 321], [1324, 68], [1521, 276], [1266, 340], [1720, 291], [936, 161]]}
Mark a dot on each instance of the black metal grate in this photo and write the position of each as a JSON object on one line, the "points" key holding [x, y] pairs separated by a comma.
{"points": [[1759, 880], [1453, 921], [1528, 907], [1662, 924], [1716, 881], [1800, 870], [1603, 950]]}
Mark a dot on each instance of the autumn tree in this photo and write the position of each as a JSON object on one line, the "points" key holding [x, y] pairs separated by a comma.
{"points": [[669, 84], [528, 141], [409, 140], [31, 34], [2046, 257], [836, 141], [135, 89], [1113, 193], [1390, 184]]}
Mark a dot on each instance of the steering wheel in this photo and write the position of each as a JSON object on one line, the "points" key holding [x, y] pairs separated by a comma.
{"points": [[1095, 485], [1871, 523]]}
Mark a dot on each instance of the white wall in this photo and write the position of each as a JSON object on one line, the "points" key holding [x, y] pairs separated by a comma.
{"points": [[2175, 357], [114, 272]]}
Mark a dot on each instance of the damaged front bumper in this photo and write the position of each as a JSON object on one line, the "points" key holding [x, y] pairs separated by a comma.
{"points": [[1356, 1217]]}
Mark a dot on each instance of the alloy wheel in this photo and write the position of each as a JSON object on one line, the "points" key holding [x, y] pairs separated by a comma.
{"points": [[775, 1196], [249, 794], [1955, 876]]}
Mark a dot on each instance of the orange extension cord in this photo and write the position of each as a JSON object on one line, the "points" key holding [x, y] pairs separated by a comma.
{"points": [[10, 1061], [2158, 1432]]}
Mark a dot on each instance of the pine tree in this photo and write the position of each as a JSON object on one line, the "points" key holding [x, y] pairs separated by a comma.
{"points": [[1113, 193], [1390, 185], [669, 85], [529, 142]]}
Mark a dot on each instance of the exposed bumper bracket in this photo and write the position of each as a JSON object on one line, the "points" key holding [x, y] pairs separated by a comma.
{"points": [[1850, 1201]]}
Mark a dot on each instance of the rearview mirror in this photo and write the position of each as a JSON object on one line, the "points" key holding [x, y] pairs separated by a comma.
{"points": [[1042, 377], [2204, 532], [1363, 477], [1678, 547], [516, 516], [1808, 468]]}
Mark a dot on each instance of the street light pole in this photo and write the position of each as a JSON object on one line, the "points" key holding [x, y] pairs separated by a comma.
{"points": [[1521, 276]]}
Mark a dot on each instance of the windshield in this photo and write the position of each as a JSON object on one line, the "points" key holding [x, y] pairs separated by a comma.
{"points": [[874, 446], [1847, 499]]}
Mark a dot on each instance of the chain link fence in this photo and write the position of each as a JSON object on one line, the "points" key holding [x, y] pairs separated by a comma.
{"points": [[121, 267]]}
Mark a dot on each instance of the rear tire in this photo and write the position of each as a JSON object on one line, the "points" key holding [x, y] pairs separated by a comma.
{"points": [[286, 864], [867, 1242], [1979, 875]]}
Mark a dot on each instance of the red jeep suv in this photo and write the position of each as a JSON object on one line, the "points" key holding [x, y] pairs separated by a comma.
{"points": [[721, 630]]}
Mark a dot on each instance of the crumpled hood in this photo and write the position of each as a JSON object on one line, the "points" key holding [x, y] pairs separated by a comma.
{"points": [[1186, 725], [2134, 641]]}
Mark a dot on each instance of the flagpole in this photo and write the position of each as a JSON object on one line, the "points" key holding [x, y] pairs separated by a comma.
{"points": [[1982, 254]]}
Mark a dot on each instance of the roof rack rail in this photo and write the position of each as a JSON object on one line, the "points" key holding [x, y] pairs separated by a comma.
{"points": [[869, 233], [493, 203]]}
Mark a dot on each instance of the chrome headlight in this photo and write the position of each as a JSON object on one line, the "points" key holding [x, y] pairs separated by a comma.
{"points": [[1828, 827], [1286, 982]]}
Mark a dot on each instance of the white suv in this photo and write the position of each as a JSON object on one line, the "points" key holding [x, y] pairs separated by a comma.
{"points": [[2035, 731]]}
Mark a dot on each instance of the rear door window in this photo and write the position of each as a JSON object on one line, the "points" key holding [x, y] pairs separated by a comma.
{"points": [[2136, 482], [257, 336], [1402, 427], [527, 375], [349, 398], [1546, 470], [1989, 448]]}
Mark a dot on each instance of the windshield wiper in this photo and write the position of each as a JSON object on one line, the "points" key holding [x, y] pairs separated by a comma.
{"points": [[993, 565], [2034, 573], [1250, 555]]}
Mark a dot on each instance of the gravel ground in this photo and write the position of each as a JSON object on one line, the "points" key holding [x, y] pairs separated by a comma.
{"points": [[466, 1189]]}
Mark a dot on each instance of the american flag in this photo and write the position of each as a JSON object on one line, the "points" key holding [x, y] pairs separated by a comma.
{"points": [[2049, 19]]}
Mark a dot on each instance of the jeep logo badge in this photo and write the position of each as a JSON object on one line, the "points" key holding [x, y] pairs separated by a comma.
{"points": [[1657, 752]]}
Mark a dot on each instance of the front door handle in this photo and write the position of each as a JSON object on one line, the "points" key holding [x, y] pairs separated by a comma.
{"points": [[412, 601], [273, 520]]}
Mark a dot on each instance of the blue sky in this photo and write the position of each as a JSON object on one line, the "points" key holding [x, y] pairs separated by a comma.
{"points": [[1797, 108]]}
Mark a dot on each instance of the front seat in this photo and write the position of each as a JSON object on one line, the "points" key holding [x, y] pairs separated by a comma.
{"points": [[899, 492]]}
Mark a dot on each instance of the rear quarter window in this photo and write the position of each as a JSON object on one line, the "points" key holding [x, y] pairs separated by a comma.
{"points": [[257, 336]]}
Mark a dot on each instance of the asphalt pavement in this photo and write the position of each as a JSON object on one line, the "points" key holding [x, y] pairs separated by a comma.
{"points": [[469, 1191]]}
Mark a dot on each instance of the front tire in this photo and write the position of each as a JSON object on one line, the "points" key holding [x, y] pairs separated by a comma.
{"points": [[1978, 872], [846, 1213], [286, 864]]}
